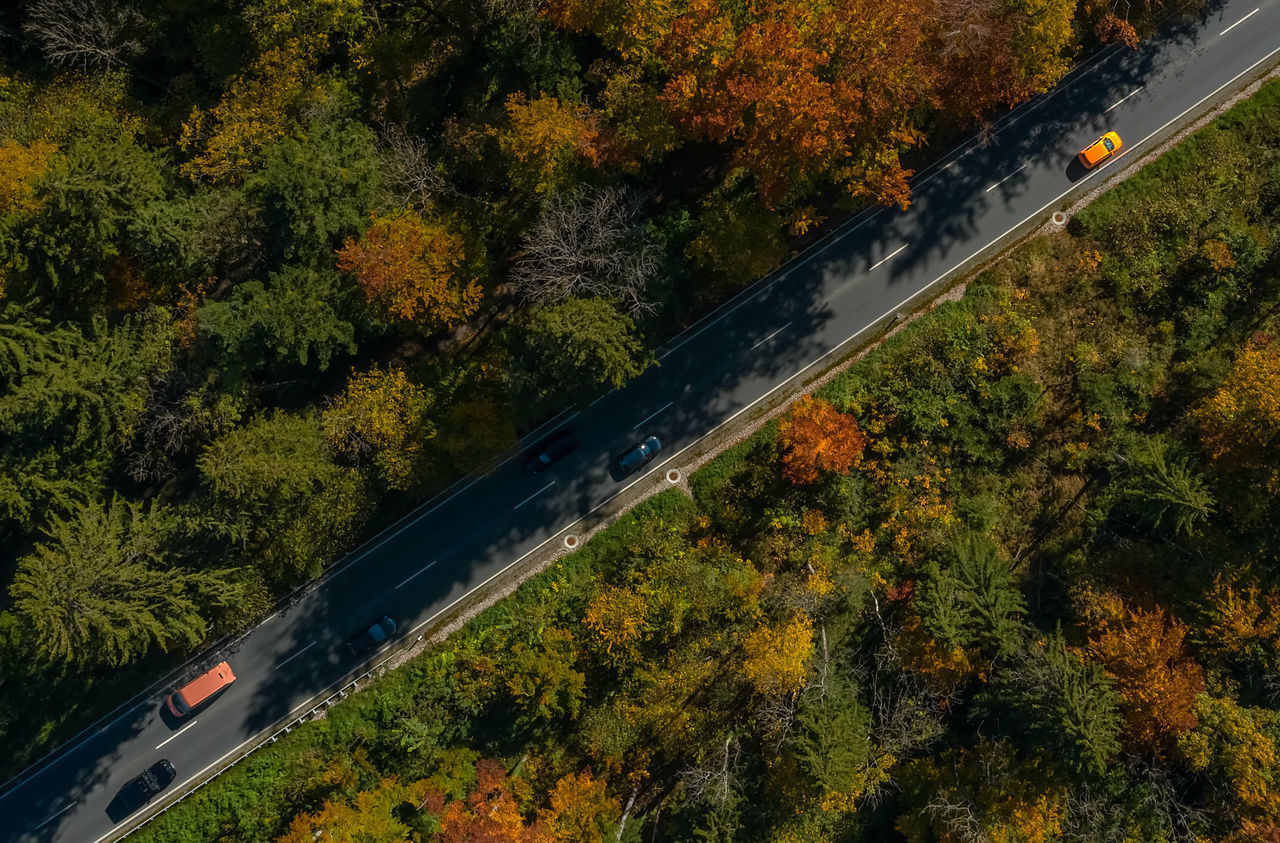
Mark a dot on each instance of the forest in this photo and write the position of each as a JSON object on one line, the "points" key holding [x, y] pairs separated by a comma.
{"points": [[1013, 576], [272, 272]]}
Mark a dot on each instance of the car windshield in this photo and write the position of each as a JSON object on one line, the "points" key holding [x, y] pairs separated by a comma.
{"points": [[1108, 144], [179, 704], [377, 633]]}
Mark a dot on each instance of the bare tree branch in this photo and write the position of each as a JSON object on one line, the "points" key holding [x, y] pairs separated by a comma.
{"points": [[588, 243], [714, 779], [412, 179], [86, 32]]}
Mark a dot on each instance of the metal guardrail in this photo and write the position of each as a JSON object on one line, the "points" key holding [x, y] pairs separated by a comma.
{"points": [[348, 686]]}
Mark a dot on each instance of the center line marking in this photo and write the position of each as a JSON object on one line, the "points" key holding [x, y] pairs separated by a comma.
{"points": [[295, 655], [1006, 178], [886, 257], [55, 816], [1122, 99], [411, 576], [175, 734], [531, 497], [766, 339], [653, 414], [1237, 23]]}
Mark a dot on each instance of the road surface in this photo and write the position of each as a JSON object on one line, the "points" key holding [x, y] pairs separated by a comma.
{"points": [[849, 284]]}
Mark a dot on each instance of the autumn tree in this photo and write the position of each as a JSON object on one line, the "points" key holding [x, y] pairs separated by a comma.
{"points": [[21, 168], [803, 91], [374, 814], [381, 415], [815, 437], [548, 142], [1240, 423], [257, 109], [491, 811], [580, 809], [1237, 745], [1145, 652], [414, 270], [777, 656], [985, 792]]}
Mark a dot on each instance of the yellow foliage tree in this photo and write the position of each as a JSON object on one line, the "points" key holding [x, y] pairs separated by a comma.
{"points": [[547, 140], [1241, 421], [382, 414], [616, 617], [778, 657], [257, 108], [373, 815], [413, 269], [581, 811], [1237, 745], [21, 166]]}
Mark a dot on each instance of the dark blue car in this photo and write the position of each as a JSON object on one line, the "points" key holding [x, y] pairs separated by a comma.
{"points": [[638, 454]]}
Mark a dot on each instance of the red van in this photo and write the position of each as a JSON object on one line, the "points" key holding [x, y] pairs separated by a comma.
{"points": [[200, 689]]}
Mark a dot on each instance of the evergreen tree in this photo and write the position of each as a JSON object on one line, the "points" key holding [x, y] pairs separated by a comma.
{"points": [[973, 602], [101, 591], [1056, 701]]}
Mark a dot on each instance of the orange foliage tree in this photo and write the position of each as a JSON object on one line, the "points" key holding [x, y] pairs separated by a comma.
{"points": [[492, 811], [413, 269], [804, 89], [1156, 679], [815, 437], [1241, 421]]}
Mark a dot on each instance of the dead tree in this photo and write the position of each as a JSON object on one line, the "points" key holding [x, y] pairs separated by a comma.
{"points": [[412, 179], [86, 32], [588, 243]]}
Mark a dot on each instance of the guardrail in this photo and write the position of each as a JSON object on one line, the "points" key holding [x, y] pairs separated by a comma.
{"points": [[348, 685]]}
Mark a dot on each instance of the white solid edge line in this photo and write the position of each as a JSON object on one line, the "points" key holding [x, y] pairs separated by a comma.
{"points": [[1006, 178], [653, 415], [415, 575], [875, 265], [556, 535], [175, 734], [53, 817], [294, 656], [534, 495], [1122, 99], [771, 336], [1237, 23]]}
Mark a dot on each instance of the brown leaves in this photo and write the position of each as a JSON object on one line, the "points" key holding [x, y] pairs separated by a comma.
{"points": [[815, 437], [1157, 680]]}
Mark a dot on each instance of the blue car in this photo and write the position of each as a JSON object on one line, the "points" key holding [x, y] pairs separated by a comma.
{"points": [[638, 454], [374, 636]]}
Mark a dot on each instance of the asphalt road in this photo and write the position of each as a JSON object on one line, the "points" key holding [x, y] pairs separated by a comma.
{"points": [[852, 282]]}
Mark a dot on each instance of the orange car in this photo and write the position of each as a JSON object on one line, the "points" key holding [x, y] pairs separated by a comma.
{"points": [[1100, 150]]}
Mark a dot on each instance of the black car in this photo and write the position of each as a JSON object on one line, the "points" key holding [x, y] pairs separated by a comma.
{"points": [[141, 789], [638, 454], [550, 450], [373, 636]]}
